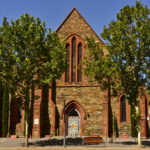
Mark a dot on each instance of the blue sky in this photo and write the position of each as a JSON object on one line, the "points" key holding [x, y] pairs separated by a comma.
{"points": [[96, 12]]}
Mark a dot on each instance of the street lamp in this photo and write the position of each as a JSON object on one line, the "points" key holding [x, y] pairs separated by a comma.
{"points": [[64, 141]]}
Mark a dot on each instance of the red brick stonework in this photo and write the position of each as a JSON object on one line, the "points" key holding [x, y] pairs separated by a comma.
{"points": [[36, 114], [144, 116]]}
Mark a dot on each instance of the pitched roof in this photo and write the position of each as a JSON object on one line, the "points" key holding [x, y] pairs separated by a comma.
{"points": [[74, 9]]}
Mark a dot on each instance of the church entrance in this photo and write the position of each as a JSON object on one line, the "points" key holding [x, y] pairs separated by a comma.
{"points": [[73, 122], [74, 119]]}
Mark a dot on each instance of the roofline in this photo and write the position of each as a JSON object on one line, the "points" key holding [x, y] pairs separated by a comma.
{"points": [[84, 21]]}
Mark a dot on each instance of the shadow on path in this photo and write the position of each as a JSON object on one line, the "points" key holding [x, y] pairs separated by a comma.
{"points": [[56, 142], [78, 142], [145, 143]]}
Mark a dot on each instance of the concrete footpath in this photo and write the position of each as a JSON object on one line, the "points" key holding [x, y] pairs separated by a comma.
{"points": [[56, 143], [72, 148]]}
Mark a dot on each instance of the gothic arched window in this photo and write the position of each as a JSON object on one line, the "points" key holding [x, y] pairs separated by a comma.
{"points": [[67, 62], [74, 49], [123, 108], [79, 62], [73, 68]]}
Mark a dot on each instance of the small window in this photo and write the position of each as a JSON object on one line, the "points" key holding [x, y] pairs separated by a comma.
{"points": [[123, 109]]}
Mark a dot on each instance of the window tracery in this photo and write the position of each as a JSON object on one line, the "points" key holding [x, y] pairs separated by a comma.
{"points": [[74, 49]]}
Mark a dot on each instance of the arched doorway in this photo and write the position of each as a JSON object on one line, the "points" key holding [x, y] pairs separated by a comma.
{"points": [[74, 119], [73, 123]]}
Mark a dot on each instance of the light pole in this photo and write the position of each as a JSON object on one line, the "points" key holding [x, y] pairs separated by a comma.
{"points": [[64, 141]]}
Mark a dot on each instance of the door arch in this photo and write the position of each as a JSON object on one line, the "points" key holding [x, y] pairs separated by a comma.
{"points": [[75, 109]]}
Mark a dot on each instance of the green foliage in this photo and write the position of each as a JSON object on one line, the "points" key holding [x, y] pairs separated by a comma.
{"points": [[133, 116], [5, 110], [127, 66], [100, 66], [7, 59], [30, 55], [128, 43]]}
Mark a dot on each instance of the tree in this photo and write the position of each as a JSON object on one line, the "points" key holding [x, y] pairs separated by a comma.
{"points": [[6, 65], [99, 65], [128, 44], [39, 58], [115, 127], [5, 111]]}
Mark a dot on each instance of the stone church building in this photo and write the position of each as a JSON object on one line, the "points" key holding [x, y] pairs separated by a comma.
{"points": [[88, 110]]}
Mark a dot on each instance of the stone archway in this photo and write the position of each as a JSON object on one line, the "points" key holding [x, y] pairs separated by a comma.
{"points": [[74, 116]]}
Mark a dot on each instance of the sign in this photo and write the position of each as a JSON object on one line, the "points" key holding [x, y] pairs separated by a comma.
{"points": [[149, 109], [36, 121], [147, 118]]}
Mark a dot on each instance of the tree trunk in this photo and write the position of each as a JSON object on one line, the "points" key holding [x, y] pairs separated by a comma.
{"points": [[26, 135], [10, 98], [139, 127], [139, 138], [27, 117]]}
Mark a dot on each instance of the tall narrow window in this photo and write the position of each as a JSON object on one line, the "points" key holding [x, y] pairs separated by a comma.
{"points": [[68, 63], [123, 109], [73, 60], [74, 49], [79, 62]]}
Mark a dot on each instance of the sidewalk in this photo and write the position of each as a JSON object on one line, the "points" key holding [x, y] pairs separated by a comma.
{"points": [[56, 143]]}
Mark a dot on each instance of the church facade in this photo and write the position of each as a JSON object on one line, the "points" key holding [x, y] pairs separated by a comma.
{"points": [[88, 110]]}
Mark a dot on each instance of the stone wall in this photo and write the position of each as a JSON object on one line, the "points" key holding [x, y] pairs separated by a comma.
{"points": [[86, 93], [76, 24], [123, 127], [98, 108], [91, 100]]}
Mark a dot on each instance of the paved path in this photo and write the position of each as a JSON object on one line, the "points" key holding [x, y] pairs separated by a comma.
{"points": [[56, 143]]}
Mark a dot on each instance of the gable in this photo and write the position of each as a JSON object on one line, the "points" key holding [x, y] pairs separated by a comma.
{"points": [[76, 24]]}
